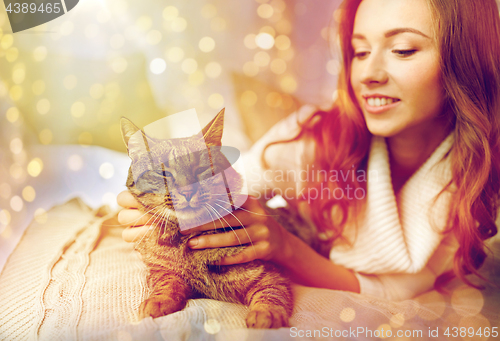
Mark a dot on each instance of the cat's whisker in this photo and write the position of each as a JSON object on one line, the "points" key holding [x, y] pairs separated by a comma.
{"points": [[215, 228], [243, 209], [155, 218], [239, 241], [241, 224], [211, 217]]}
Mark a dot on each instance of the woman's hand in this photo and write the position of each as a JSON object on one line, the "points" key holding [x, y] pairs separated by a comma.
{"points": [[135, 221], [266, 239]]}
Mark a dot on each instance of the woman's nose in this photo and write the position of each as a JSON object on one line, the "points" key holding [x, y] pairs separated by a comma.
{"points": [[374, 71]]}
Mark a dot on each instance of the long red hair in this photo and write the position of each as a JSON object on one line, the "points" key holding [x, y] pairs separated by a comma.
{"points": [[469, 43]]}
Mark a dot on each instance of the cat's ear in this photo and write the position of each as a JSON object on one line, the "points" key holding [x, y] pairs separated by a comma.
{"points": [[134, 142], [212, 133]]}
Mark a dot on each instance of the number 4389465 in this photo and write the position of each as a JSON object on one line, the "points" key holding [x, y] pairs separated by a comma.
{"points": [[32, 8], [470, 332]]}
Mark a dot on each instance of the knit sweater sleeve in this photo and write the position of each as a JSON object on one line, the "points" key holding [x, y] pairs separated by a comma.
{"points": [[402, 286]]}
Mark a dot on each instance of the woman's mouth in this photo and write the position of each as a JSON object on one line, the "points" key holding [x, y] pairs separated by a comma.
{"points": [[376, 104]]}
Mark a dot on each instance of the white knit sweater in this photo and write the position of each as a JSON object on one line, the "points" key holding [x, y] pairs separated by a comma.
{"points": [[399, 251]]}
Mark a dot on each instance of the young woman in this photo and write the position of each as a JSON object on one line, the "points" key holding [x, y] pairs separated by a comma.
{"points": [[414, 136]]}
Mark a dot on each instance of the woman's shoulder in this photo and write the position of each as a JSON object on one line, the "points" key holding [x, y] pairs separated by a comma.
{"points": [[269, 155]]}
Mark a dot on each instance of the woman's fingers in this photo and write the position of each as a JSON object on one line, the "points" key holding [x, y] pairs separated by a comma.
{"points": [[259, 250], [127, 200], [133, 234], [252, 234], [131, 217]]}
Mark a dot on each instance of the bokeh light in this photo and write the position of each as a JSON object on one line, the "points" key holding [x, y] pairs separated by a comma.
{"points": [[467, 301], [45, 136], [206, 44], [119, 64], [75, 162], [175, 54], [16, 145], [158, 66], [41, 216], [432, 305], [153, 37], [106, 170], [278, 66], [35, 167], [170, 13], [189, 66], [29, 193], [248, 98], [265, 11], [16, 92], [12, 114], [5, 217], [215, 101], [16, 203], [347, 314], [288, 84], [261, 58], [249, 41], [264, 41], [109, 199], [77, 109], [12, 54], [178, 24], [383, 330], [43, 106], [212, 326], [213, 69], [282, 42]]}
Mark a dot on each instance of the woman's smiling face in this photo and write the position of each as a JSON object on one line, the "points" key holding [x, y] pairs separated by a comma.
{"points": [[395, 71]]}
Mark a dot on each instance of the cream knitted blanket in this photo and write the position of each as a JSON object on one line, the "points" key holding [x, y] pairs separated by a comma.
{"points": [[72, 277]]}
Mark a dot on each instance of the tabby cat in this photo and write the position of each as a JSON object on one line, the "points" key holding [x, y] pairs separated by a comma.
{"points": [[180, 180]]}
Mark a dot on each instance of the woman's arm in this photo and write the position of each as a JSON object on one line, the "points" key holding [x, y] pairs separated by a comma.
{"points": [[305, 266], [270, 241]]}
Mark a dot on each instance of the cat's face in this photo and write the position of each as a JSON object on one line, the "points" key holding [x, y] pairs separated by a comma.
{"points": [[184, 180]]}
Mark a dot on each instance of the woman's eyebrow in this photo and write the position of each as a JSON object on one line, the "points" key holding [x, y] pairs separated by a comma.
{"points": [[393, 32]]}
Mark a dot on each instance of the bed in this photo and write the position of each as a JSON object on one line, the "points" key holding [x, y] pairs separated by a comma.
{"points": [[72, 277], [66, 274]]}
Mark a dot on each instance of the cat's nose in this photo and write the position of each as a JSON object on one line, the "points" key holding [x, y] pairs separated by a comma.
{"points": [[188, 192]]}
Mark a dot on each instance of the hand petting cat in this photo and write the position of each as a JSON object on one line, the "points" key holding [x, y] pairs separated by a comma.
{"points": [[267, 239]]}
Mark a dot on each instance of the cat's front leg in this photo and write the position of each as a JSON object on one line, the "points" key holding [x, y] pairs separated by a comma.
{"points": [[169, 294], [271, 302]]}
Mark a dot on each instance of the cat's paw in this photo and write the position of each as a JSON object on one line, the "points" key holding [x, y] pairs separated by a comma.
{"points": [[265, 317], [156, 307]]}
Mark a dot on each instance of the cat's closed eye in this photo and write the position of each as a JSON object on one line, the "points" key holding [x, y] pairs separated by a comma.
{"points": [[203, 172]]}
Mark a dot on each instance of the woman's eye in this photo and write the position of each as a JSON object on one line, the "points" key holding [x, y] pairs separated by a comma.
{"points": [[360, 54], [404, 53]]}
